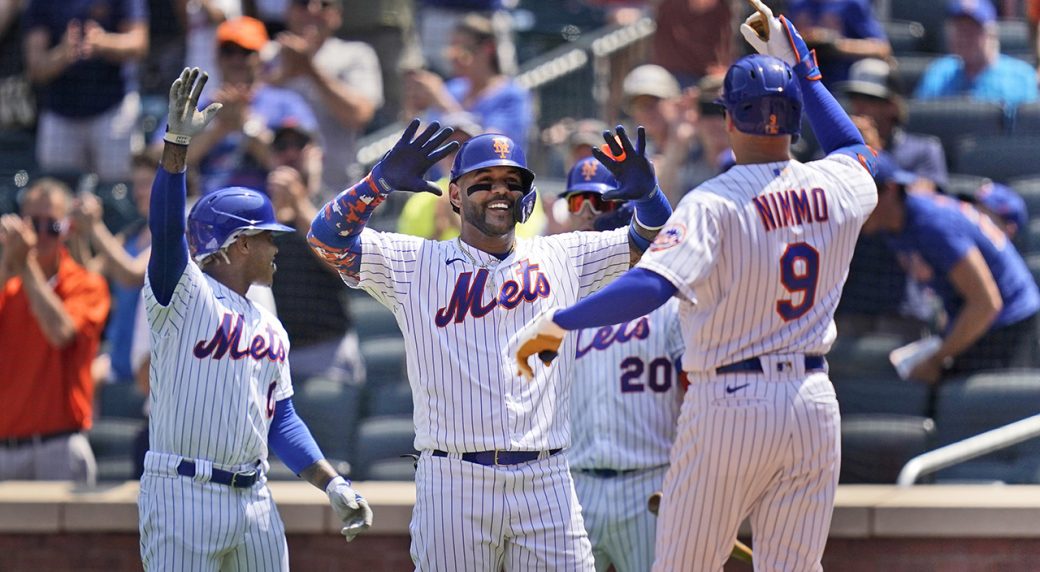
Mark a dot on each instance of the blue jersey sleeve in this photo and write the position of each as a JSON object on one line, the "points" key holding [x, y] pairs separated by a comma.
{"points": [[636, 293], [291, 440], [169, 255]]}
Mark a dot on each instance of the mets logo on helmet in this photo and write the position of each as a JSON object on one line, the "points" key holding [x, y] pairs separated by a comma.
{"points": [[588, 170], [501, 146]]}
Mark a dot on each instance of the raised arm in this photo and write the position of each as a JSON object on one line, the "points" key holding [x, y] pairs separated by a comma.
{"points": [[166, 214], [637, 182], [336, 230], [834, 129]]}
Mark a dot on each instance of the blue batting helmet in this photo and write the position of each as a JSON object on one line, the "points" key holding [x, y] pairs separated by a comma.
{"points": [[218, 218], [497, 150], [589, 176], [761, 95]]}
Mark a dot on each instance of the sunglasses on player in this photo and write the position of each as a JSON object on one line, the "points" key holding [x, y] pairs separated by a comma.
{"points": [[597, 205]]}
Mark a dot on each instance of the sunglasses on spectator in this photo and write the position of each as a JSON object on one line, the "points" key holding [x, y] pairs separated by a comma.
{"points": [[595, 201], [48, 225], [228, 49], [307, 3]]}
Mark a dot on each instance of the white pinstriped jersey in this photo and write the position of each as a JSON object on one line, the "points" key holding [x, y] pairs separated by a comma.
{"points": [[780, 234], [458, 307], [625, 397], [219, 364]]}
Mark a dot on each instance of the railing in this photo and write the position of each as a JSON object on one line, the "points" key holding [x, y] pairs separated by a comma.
{"points": [[539, 72], [981, 444]]}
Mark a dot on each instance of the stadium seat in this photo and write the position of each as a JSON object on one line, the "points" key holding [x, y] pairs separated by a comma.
{"points": [[864, 357], [959, 184], [1014, 37], [984, 401], [905, 36], [380, 440], [120, 400], [384, 360], [331, 411], [1000, 158], [393, 398], [1027, 119], [399, 469], [112, 440], [931, 14], [874, 447], [909, 69], [17, 152], [954, 119], [372, 319], [118, 204], [881, 395]]}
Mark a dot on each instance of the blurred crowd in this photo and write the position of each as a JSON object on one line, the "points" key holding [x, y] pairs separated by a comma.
{"points": [[302, 82]]}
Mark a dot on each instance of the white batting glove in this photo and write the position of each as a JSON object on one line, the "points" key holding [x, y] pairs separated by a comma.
{"points": [[351, 508], [185, 120], [766, 34], [541, 336]]}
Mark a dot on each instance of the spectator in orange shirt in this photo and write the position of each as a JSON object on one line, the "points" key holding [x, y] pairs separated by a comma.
{"points": [[52, 312]]}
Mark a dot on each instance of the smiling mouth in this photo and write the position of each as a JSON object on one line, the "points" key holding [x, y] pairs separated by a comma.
{"points": [[500, 206]]}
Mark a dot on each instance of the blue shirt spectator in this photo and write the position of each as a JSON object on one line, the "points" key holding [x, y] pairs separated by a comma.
{"points": [[841, 31], [1007, 80], [505, 110], [91, 85]]}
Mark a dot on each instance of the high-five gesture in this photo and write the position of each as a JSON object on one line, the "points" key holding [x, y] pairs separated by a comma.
{"points": [[403, 167], [185, 120], [629, 165]]}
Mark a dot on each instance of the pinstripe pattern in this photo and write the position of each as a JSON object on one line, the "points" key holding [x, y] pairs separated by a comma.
{"points": [[764, 445], [620, 527], [473, 518], [211, 405], [187, 525], [458, 308], [624, 404]]}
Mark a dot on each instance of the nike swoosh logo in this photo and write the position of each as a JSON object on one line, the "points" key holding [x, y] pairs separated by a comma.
{"points": [[734, 389], [450, 260]]}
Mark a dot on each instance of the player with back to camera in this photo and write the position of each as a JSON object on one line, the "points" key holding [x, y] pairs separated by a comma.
{"points": [[757, 256], [492, 490], [220, 386], [623, 429]]}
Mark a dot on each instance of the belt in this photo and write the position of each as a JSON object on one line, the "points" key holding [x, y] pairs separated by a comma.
{"points": [[12, 442], [754, 365], [492, 458], [606, 473], [242, 480]]}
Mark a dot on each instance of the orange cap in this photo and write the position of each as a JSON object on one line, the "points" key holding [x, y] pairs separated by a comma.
{"points": [[245, 31]]}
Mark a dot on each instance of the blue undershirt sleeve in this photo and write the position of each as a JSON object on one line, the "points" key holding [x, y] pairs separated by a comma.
{"points": [[169, 255], [635, 294], [291, 440]]}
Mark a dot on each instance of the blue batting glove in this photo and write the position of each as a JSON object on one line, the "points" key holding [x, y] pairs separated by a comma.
{"points": [[806, 66], [629, 165], [403, 166]]}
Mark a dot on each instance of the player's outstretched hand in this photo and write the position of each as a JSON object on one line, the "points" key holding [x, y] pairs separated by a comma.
{"points": [[185, 120], [351, 508], [540, 336], [777, 37], [629, 165], [403, 167]]}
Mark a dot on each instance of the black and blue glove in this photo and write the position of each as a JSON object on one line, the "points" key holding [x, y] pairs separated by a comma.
{"points": [[403, 166]]}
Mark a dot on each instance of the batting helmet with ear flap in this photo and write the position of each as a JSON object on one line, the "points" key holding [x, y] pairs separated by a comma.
{"points": [[497, 150], [761, 95], [218, 218]]}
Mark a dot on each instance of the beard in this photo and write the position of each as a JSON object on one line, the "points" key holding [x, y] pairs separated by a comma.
{"points": [[489, 223]]}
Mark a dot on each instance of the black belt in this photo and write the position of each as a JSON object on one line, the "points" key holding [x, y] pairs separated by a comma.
{"points": [[754, 365], [12, 442], [605, 473], [242, 480], [492, 458]]}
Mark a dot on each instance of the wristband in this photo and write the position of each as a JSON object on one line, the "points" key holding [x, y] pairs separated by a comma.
{"points": [[652, 212], [641, 242], [176, 139]]}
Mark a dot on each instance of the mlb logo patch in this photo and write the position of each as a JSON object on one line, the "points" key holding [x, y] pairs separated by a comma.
{"points": [[669, 236]]}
